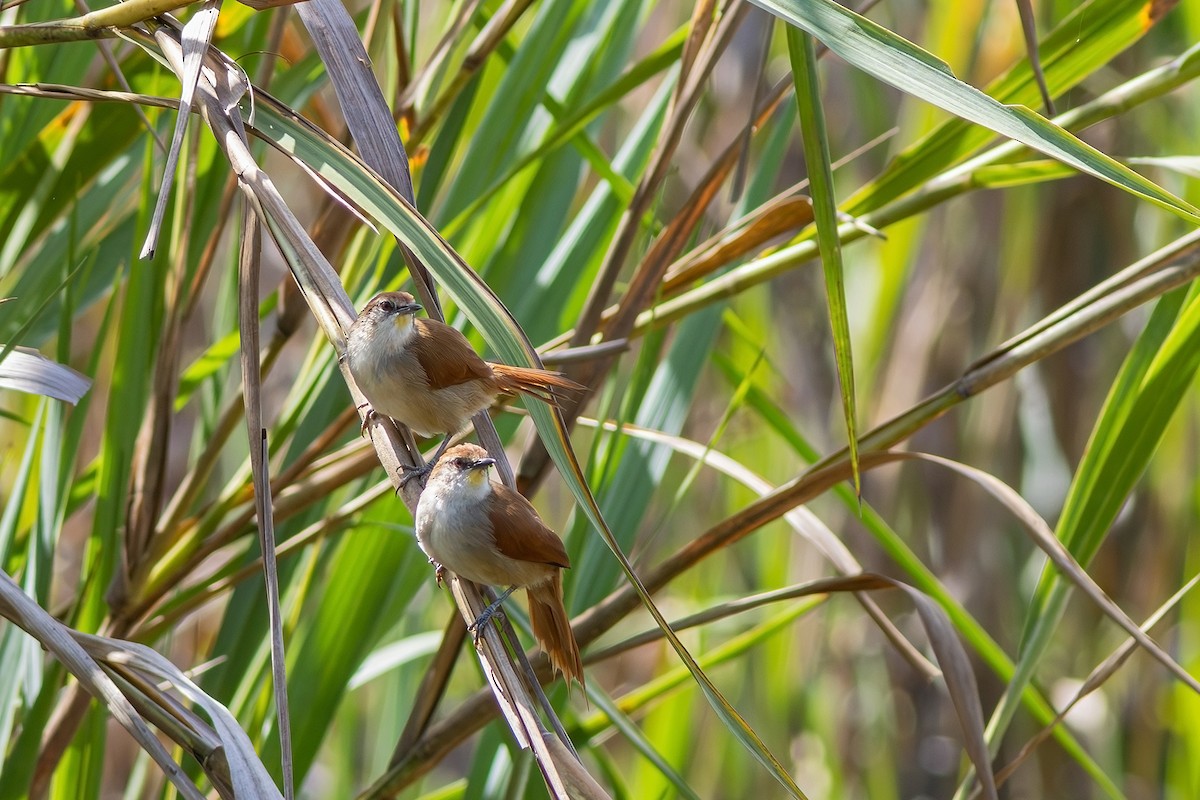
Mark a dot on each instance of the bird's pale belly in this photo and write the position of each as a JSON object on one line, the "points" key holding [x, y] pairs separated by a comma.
{"points": [[427, 413], [470, 553]]}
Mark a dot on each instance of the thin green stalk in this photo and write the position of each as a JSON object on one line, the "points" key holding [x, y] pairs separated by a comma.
{"points": [[96, 25]]}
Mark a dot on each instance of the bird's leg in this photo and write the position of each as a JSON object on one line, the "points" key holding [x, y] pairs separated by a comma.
{"points": [[485, 617], [439, 572], [423, 471]]}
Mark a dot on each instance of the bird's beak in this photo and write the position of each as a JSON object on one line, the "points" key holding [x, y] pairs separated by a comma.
{"points": [[483, 463], [409, 308]]}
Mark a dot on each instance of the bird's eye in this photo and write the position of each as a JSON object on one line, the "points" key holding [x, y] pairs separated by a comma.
{"points": [[388, 306], [461, 463]]}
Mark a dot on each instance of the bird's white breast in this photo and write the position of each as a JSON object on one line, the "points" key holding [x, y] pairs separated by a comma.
{"points": [[454, 531], [389, 374]]}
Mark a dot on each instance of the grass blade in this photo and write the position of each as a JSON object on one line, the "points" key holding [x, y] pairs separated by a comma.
{"points": [[820, 176], [1151, 385], [896, 61], [259, 461]]}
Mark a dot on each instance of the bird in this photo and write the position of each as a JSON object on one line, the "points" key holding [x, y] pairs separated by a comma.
{"points": [[490, 534], [425, 374]]}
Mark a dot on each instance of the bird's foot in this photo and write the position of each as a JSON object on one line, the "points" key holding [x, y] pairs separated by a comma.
{"points": [[485, 616], [481, 622], [366, 418], [408, 474], [439, 572]]}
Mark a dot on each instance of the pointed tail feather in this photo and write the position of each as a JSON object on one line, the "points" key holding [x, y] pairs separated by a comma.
{"points": [[552, 628], [542, 384]]}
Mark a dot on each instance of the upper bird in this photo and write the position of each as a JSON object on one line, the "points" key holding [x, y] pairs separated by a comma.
{"points": [[425, 373], [487, 533]]}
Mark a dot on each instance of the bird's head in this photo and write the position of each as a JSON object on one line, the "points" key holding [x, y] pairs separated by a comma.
{"points": [[463, 469], [392, 308]]}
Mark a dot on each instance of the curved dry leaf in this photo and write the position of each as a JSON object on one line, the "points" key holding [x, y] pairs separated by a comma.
{"points": [[960, 682], [1050, 544], [783, 215], [29, 371], [249, 776], [256, 434], [58, 640], [196, 35]]}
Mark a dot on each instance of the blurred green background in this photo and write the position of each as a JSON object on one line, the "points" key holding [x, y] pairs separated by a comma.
{"points": [[526, 149]]}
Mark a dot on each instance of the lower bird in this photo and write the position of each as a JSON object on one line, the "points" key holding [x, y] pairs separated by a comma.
{"points": [[487, 533], [425, 373]]}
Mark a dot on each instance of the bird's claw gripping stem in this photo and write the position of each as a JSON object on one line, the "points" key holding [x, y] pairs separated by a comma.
{"points": [[420, 473], [476, 627]]}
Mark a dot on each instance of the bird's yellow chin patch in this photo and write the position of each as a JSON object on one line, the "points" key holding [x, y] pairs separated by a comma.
{"points": [[477, 477], [403, 321]]}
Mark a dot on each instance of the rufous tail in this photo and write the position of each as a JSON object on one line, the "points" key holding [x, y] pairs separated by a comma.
{"points": [[552, 627], [539, 383]]}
